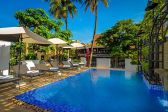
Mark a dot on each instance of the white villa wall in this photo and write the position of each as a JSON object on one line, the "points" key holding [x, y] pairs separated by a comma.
{"points": [[129, 66], [83, 59], [103, 62], [4, 57]]}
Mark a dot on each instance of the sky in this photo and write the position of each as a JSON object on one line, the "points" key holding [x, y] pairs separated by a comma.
{"points": [[82, 25]]}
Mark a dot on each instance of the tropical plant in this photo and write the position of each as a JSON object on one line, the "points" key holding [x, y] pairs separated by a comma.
{"points": [[146, 26], [145, 66], [14, 51], [62, 8], [120, 38], [93, 4], [65, 35], [147, 23], [31, 56], [38, 21]]}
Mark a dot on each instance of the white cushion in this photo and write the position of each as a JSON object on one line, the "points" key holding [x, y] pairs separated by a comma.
{"points": [[33, 71], [81, 63], [75, 64], [54, 68], [6, 77], [30, 64], [66, 66]]}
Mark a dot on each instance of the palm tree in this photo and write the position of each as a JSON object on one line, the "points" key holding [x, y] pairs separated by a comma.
{"points": [[93, 4], [62, 8]]}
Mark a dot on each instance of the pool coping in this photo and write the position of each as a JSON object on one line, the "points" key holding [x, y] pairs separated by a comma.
{"points": [[152, 87]]}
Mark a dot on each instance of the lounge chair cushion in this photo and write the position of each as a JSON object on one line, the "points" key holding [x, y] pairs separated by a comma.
{"points": [[32, 75], [81, 63], [8, 80], [54, 68], [6, 77], [75, 64], [33, 71], [66, 65], [30, 64]]}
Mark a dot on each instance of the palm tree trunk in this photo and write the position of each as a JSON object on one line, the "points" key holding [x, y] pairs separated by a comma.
{"points": [[66, 23], [66, 19], [95, 28]]}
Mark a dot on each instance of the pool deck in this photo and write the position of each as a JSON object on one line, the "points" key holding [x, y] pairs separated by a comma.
{"points": [[7, 92]]}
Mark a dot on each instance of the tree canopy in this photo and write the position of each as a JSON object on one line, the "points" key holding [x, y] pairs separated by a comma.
{"points": [[39, 22], [120, 37], [62, 8]]}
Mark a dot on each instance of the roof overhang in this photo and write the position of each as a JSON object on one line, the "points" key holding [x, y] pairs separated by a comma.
{"points": [[14, 34]]}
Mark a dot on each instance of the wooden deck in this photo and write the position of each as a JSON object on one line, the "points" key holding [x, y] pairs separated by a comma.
{"points": [[7, 92]]}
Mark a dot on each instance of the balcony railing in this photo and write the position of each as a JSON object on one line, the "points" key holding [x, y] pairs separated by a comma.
{"points": [[97, 52]]}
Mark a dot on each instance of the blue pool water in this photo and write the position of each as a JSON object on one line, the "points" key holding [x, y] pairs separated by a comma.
{"points": [[98, 91]]}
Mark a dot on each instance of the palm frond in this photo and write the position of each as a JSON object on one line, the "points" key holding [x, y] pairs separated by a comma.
{"points": [[105, 2]]}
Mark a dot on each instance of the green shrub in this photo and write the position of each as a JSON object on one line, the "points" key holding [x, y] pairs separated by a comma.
{"points": [[145, 66], [31, 56], [76, 60], [134, 62], [13, 61]]}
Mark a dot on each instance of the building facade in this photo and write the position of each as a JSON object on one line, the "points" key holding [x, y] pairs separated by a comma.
{"points": [[101, 56]]}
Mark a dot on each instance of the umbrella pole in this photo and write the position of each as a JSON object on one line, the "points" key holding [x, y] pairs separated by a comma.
{"points": [[57, 53], [20, 53], [76, 53]]}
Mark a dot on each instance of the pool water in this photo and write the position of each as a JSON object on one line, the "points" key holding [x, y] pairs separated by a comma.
{"points": [[98, 90]]}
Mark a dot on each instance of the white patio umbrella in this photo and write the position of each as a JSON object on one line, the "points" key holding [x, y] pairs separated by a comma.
{"points": [[68, 47], [77, 45], [16, 34], [57, 42], [21, 34]]}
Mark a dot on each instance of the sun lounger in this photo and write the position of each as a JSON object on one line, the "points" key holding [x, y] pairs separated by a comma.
{"points": [[82, 63], [73, 64], [30, 65], [24, 71], [43, 67], [8, 79], [65, 65], [54, 64]]}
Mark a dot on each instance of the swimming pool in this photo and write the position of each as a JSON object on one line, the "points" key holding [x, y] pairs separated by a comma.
{"points": [[98, 90]]}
